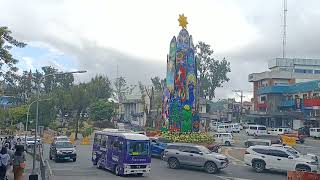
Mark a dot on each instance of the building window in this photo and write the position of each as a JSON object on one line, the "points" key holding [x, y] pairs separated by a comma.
{"points": [[263, 98], [305, 71], [316, 71], [315, 94]]}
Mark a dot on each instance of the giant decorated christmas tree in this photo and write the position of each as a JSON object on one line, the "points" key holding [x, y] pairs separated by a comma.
{"points": [[179, 107]]}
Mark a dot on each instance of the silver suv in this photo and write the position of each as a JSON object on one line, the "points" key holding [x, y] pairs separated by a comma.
{"points": [[184, 154]]}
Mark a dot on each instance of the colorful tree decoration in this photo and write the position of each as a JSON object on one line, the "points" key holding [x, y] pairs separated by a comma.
{"points": [[179, 107]]}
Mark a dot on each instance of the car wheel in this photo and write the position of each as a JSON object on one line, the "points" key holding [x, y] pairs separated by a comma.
{"points": [[303, 168], [227, 143], [50, 157], [161, 155], [211, 167], [259, 166], [117, 170], [173, 163], [56, 159], [74, 159], [99, 166]]}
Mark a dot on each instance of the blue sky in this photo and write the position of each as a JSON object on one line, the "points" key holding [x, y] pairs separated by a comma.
{"points": [[34, 57]]}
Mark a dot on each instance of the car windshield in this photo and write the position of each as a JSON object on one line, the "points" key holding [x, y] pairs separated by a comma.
{"points": [[164, 140], [138, 148], [30, 139], [262, 128], [204, 149], [63, 139], [292, 151], [64, 145]]}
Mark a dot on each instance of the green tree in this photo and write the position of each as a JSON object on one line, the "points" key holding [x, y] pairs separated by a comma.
{"points": [[7, 62], [102, 110], [18, 114], [122, 89], [99, 88], [213, 73]]}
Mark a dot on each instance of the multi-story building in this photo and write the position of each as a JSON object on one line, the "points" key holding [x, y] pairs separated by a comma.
{"points": [[284, 71], [287, 94]]}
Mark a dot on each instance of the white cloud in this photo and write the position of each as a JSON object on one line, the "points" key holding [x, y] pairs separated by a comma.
{"points": [[136, 34]]}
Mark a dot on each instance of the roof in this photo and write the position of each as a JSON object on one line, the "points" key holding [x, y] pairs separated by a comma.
{"points": [[126, 135], [290, 89]]}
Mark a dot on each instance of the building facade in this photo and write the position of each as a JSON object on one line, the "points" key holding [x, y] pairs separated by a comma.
{"points": [[284, 71], [287, 95]]}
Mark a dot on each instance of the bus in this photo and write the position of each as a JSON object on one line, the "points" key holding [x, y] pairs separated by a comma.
{"points": [[121, 152]]}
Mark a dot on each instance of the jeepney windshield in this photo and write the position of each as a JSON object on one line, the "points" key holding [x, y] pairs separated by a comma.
{"points": [[138, 148]]}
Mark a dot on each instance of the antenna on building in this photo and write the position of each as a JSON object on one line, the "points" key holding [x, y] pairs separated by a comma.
{"points": [[284, 38]]}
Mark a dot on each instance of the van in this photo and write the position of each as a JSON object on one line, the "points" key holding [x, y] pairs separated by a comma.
{"points": [[256, 130], [315, 132], [224, 139], [224, 128], [279, 131], [214, 125], [235, 127]]}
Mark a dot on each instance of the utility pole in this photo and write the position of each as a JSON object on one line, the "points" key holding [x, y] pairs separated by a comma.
{"points": [[241, 100], [284, 38]]}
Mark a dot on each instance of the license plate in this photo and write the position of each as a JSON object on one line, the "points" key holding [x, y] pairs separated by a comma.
{"points": [[66, 157]]}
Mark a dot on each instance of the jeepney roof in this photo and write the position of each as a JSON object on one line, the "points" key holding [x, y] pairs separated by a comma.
{"points": [[126, 135]]}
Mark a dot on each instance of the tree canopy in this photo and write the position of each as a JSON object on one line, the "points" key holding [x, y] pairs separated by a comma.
{"points": [[212, 72]]}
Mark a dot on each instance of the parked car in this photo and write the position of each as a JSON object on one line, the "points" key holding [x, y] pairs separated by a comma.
{"points": [[235, 127], [62, 150], [279, 131], [253, 142], [158, 145], [214, 125], [315, 132], [224, 128], [256, 130], [278, 158], [185, 154], [224, 139], [30, 141]]}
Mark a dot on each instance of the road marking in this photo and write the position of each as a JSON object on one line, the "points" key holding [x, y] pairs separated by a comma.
{"points": [[231, 178]]}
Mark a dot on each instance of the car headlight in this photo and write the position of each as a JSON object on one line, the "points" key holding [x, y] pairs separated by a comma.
{"points": [[313, 163], [59, 152]]}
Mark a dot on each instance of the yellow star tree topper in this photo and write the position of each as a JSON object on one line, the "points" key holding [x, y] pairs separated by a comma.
{"points": [[182, 21]]}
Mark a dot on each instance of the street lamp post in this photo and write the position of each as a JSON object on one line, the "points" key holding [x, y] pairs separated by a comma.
{"points": [[37, 113], [27, 122]]}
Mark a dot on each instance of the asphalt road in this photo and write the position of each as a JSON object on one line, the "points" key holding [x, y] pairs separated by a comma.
{"points": [[84, 170]]}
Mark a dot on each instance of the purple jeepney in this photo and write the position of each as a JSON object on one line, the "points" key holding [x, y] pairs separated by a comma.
{"points": [[121, 152]]}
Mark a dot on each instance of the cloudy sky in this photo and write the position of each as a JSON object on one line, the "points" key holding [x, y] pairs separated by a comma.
{"points": [[98, 35]]}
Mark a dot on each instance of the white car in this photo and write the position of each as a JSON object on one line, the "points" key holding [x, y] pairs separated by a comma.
{"points": [[224, 128], [224, 139], [235, 128], [279, 131], [279, 158], [256, 130], [315, 132], [61, 138]]}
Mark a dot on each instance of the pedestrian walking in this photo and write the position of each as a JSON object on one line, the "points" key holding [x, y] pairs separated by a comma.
{"points": [[4, 162], [19, 162]]}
